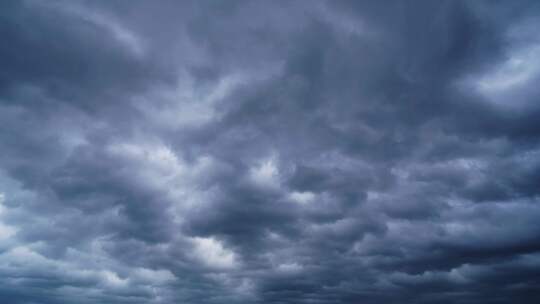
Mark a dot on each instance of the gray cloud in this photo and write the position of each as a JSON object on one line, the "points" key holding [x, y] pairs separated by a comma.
{"points": [[269, 152]]}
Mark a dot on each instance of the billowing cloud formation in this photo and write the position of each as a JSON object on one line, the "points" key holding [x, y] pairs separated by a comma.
{"points": [[269, 152]]}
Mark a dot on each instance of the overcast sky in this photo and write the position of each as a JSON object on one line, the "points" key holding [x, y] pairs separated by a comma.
{"points": [[222, 152]]}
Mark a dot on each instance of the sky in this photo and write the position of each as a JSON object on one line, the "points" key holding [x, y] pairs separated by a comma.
{"points": [[321, 152]]}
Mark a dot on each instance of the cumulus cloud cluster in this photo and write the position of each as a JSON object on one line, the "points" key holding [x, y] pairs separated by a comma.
{"points": [[269, 152]]}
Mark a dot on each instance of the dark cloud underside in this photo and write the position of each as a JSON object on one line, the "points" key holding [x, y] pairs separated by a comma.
{"points": [[269, 152]]}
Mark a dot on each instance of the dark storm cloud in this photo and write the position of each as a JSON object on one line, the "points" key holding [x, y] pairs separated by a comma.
{"points": [[35, 34], [269, 152]]}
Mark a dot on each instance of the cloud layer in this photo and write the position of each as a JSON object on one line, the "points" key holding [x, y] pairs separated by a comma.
{"points": [[269, 152]]}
